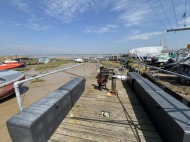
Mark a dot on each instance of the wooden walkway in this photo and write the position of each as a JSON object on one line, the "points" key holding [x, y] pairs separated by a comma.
{"points": [[97, 116]]}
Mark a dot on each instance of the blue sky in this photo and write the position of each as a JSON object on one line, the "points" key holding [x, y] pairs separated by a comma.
{"points": [[89, 26]]}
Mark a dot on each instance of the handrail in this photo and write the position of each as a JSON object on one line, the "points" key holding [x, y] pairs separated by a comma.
{"points": [[17, 83], [180, 75]]}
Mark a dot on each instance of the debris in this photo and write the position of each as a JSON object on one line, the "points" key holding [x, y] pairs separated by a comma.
{"points": [[105, 114]]}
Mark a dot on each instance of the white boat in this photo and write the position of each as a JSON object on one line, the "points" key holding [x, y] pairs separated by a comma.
{"points": [[79, 60], [8, 61]]}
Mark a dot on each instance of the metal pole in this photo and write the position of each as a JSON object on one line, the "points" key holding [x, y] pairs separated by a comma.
{"points": [[16, 84], [179, 29], [17, 92]]}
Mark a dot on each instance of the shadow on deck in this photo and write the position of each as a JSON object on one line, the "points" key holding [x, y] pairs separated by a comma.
{"points": [[145, 126], [98, 116]]}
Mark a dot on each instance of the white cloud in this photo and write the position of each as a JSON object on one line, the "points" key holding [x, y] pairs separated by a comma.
{"points": [[37, 27], [134, 18], [181, 23], [34, 23], [105, 29], [188, 21], [144, 36], [21, 5], [69, 10], [65, 10], [2, 48], [121, 5], [131, 12], [138, 36], [17, 24]]}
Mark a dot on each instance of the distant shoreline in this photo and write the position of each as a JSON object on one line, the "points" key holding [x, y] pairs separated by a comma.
{"points": [[68, 56]]}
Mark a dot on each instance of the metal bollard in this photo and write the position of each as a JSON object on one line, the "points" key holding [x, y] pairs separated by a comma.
{"points": [[113, 85]]}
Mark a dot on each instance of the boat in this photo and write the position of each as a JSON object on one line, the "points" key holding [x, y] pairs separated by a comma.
{"points": [[44, 60], [9, 61], [7, 79], [9, 64], [78, 60]]}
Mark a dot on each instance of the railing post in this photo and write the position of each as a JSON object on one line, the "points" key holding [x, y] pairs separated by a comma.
{"points": [[17, 92]]}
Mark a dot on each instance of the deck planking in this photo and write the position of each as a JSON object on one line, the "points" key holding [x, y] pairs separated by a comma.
{"points": [[128, 122]]}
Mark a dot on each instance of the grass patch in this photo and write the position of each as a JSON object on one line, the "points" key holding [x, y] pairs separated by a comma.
{"points": [[31, 61], [37, 80], [134, 65], [2, 58], [54, 63], [110, 64], [22, 69]]}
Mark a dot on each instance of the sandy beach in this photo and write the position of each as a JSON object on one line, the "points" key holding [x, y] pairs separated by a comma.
{"points": [[31, 92]]}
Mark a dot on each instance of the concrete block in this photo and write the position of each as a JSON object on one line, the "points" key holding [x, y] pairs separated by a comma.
{"points": [[39, 121], [170, 117]]}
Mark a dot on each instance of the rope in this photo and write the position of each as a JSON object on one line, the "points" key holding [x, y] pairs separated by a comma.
{"points": [[175, 13], [156, 14], [185, 13], [165, 13]]}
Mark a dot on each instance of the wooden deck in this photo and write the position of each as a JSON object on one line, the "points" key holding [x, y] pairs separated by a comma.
{"points": [[126, 120]]}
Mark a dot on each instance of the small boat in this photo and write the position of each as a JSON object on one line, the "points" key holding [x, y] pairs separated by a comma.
{"points": [[7, 79], [44, 60], [9, 64], [10, 61]]}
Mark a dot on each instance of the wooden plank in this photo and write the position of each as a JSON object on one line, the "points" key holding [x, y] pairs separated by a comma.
{"points": [[66, 138], [120, 126], [115, 129], [105, 136]]}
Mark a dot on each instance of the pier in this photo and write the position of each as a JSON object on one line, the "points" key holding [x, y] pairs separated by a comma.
{"points": [[99, 116], [79, 111]]}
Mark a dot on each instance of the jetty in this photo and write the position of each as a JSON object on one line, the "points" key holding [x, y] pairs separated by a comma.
{"points": [[137, 111], [99, 116]]}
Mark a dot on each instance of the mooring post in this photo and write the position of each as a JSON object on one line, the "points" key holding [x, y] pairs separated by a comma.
{"points": [[113, 85]]}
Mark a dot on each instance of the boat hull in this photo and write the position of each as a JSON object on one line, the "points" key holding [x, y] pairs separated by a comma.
{"points": [[8, 89], [10, 66]]}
